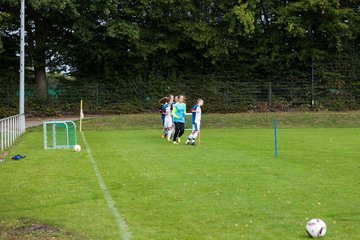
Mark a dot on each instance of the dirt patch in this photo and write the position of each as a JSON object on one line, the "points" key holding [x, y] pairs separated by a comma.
{"points": [[27, 230], [4, 154], [36, 228]]}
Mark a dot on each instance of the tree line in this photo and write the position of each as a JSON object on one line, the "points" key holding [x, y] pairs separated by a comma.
{"points": [[152, 42]]}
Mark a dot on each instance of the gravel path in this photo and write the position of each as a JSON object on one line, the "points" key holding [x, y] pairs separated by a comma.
{"points": [[31, 122], [36, 121]]}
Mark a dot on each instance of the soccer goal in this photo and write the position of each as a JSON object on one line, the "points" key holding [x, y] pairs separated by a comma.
{"points": [[59, 134], [188, 121]]}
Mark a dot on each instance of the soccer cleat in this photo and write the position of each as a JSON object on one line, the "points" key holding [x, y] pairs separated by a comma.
{"points": [[187, 143], [178, 140], [193, 143], [175, 143]]}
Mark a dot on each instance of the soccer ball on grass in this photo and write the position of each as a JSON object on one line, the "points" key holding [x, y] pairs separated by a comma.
{"points": [[316, 228], [77, 148]]}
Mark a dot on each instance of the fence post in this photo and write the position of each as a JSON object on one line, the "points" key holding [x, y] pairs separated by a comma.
{"points": [[7, 133], [9, 130], [97, 95], [269, 96], [12, 131], [2, 136], [312, 85], [227, 93]]}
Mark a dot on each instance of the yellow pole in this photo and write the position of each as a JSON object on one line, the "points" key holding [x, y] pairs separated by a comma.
{"points": [[81, 113]]}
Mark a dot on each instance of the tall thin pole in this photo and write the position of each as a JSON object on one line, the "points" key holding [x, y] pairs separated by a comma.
{"points": [[22, 64], [312, 84], [275, 139], [81, 114], [270, 96]]}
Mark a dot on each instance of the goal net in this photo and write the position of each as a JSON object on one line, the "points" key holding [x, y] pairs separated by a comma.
{"points": [[59, 134], [188, 121]]}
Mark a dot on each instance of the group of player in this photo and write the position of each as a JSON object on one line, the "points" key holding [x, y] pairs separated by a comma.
{"points": [[173, 112]]}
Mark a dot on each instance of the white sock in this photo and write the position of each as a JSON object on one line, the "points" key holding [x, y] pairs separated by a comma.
{"points": [[169, 134]]}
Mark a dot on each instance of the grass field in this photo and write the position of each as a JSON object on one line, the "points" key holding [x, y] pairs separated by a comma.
{"points": [[229, 187]]}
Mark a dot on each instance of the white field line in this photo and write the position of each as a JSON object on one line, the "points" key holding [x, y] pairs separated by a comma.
{"points": [[124, 232]]}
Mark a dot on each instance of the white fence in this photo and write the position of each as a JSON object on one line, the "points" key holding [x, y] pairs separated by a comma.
{"points": [[10, 129]]}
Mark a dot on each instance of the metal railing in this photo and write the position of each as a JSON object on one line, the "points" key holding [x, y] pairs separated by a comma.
{"points": [[10, 129]]}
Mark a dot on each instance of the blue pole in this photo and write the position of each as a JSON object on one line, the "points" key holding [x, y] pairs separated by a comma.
{"points": [[275, 139]]}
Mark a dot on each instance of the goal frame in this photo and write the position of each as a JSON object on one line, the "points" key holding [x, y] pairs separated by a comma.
{"points": [[53, 124], [188, 116]]}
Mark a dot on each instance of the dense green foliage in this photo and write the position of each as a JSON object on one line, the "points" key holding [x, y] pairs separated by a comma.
{"points": [[151, 48], [229, 187]]}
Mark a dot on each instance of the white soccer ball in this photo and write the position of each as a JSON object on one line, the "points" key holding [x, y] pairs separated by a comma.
{"points": [[77, 148], [316, 228]]}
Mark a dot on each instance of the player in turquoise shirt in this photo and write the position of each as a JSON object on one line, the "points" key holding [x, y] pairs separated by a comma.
{"points": [[179, 112]]}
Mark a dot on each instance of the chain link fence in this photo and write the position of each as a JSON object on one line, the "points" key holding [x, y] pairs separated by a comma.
{"points": [[223, 97]]}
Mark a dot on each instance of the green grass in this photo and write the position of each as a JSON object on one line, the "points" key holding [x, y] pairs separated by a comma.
{"points": [[229, 187], [242, 120]]}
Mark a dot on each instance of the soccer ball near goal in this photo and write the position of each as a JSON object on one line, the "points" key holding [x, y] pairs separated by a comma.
{"points": [[77, 148], [316, 228]]}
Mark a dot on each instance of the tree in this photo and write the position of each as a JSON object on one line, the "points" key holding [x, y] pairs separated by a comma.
{"points": [[43, 20], [138, 40], [9, 62], [3, 16]]}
